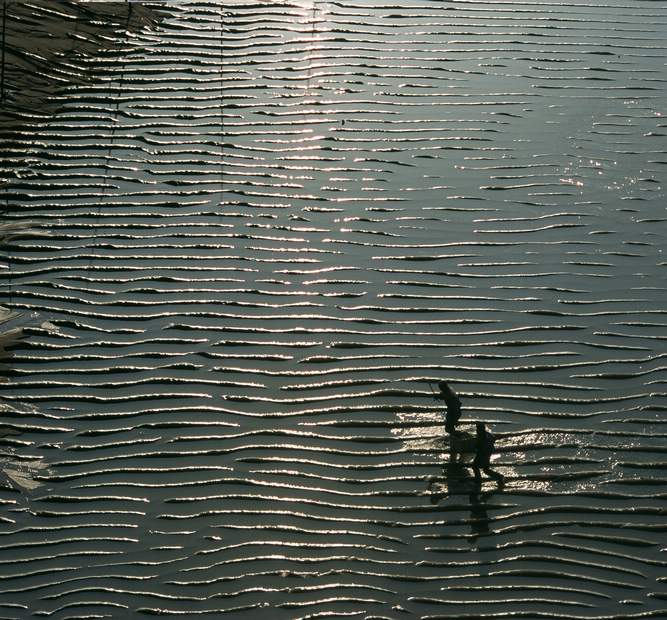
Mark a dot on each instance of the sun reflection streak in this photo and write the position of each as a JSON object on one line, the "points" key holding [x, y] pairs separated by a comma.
{"points": [[526, 459]]}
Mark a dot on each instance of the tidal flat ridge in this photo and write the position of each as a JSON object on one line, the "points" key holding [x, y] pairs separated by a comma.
{"points": [[260, 233]]}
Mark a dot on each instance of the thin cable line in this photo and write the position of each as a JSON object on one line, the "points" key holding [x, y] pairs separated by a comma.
{"points": [[222, 114], [2, 59], [107, 157], [10, 284]]}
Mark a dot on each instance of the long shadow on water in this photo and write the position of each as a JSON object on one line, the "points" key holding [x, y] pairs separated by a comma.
{"points": [[458, 480]]}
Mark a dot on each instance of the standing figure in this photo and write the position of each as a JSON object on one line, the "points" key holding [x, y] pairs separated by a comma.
{"points": [[484, 443], [453, 406]]}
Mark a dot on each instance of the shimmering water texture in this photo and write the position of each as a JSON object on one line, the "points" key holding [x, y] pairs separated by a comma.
{"points": [[271, 226]]}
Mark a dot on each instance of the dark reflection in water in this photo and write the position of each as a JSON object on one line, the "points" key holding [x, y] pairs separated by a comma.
{"points": [[479, 523], [458, 481]]}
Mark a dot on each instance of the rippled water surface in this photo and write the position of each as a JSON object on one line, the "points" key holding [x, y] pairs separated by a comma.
{"points": [[273, 226]]}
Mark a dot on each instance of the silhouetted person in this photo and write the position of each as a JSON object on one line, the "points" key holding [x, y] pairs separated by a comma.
{"points": [[453, 406], [484, 444]]}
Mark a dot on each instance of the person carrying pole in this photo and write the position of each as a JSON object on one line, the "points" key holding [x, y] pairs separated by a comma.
{"points": [[453, 404]]}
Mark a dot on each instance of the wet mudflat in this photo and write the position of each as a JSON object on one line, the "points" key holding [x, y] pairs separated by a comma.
{"points": [[271, 227]]}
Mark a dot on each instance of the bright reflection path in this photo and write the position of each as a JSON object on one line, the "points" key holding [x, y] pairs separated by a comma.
{"points": [[551, 460]]}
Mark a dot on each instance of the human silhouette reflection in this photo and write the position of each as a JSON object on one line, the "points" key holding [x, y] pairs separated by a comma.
{"points": [[457, 480], [479, 517]]}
